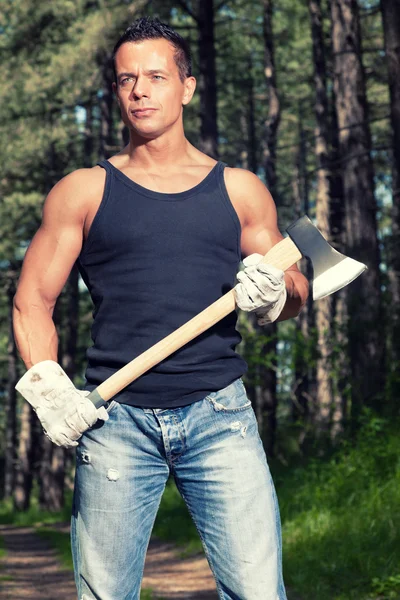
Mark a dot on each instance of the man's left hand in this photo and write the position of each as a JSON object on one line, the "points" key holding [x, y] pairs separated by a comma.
{"points": [[261, 289]]}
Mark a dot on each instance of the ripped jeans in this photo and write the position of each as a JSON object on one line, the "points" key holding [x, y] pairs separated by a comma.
{"points": [[215, 454]]}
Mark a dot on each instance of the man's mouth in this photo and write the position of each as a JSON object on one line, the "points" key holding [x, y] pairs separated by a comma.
{"points": [[142, 111]]}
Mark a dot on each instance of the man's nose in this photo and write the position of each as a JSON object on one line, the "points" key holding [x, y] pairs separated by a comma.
{"points": [[141, 88]]}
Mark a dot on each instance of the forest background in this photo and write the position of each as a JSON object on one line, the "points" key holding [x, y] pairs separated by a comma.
{"points": [[306, 94]]}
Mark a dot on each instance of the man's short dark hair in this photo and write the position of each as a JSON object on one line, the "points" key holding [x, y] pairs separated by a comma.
{"points": [[148, 28]]}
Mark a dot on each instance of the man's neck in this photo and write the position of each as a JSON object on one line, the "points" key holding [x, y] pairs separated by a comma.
{"points": [[164, 151]]}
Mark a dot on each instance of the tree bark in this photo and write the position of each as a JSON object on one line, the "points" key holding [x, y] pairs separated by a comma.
{"points": [[364, 297], [274, 110], [208, 78], [340, 362], [266, 393], [251, 120], [391, 27], [303, 394], [11, 406], [248, 155], [324, 400], [106, 112], [88, 136], [202, 12], [25, 465]]}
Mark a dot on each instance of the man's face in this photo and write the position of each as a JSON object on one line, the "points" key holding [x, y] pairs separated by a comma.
{"points": [[149, 90]]}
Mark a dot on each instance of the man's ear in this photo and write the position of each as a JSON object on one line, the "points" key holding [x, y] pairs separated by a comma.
{"points": [[190, 86]]}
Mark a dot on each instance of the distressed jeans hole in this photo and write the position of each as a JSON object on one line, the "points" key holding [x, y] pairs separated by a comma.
{"points": [[113, 474], [236, 425]]}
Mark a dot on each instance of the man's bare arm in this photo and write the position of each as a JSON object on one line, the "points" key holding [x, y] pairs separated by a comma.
{"points": [[257, 212], [47, 264]]}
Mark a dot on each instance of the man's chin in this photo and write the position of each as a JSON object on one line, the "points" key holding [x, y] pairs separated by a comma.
{"points": [[145, 134]]}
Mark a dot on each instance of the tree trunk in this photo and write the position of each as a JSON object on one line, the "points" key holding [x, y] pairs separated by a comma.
{"points": [[303, 393], [324, 307], [25, 464], [340, 362], [248, 155], [391, 27], [88, 136], [202, 13], [267, 391], [106, 111], [364, 297], [207, 83], [274, 110], [251, 120], [11, 406]]}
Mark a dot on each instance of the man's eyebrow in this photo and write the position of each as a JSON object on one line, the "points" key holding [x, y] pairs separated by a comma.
{"points": [[125, 75], [153, 71], [150, 72]]}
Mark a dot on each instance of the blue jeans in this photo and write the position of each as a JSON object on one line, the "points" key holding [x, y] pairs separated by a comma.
{"points": [[213, 449]]}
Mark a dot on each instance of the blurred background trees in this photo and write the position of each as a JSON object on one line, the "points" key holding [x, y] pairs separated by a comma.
{"points": [[304, 94]]}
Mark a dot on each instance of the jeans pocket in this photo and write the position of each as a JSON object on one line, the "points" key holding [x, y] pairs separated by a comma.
{"points": [[231, 399]]}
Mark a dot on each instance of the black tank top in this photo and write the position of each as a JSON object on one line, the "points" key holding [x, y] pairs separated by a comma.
{"points": [[151, 262]]}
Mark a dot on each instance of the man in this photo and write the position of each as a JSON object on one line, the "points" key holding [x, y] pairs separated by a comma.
{"points": [[158, 231]]}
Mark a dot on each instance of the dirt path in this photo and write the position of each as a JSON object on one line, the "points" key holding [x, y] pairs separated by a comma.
{"points": [[31, 570]]}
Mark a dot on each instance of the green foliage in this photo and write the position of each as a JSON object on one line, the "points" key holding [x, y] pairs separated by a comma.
{"points": [[388, 588], [258, 352], [34, 516], [340, 518]]}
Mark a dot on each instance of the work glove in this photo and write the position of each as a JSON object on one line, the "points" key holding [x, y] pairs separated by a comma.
{"points": [[65, 412], [261, 289]]}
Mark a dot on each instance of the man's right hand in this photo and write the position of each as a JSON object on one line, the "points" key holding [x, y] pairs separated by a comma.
{"points": [[69, 416], [64, 411]]}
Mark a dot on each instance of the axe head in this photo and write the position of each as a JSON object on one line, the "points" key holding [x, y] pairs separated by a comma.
{"points": [[332, 270]]}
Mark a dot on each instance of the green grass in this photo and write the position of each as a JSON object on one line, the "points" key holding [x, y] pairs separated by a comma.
{"points": [[34, 516], [2, 555], [341, 520]]}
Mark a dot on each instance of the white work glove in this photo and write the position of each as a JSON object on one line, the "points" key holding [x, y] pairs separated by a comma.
{"points": [[64, 412], [66, 416], [261, 289]]}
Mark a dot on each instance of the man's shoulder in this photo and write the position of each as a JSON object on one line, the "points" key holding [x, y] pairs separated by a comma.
{"points": [[246, 186], [241, 177], [80, 178], [76, 192], [80, 185]]}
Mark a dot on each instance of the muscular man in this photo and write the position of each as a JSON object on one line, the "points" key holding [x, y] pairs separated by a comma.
{"points": [[158, 231]]}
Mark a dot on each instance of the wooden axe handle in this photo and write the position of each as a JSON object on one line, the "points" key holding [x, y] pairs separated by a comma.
{"points": [[283, 255]]}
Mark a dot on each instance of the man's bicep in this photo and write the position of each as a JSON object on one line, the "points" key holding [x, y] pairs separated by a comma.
{"points": [[260, 230], [52, 252], [48, 262]]}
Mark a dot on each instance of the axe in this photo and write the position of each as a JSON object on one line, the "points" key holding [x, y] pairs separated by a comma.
{"points": [[332, 271]]}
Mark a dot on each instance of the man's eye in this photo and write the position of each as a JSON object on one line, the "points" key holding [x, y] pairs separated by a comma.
{"points": [[157, 77], [123, 81]]}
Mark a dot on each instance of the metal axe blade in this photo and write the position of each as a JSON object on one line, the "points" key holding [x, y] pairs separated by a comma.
{"points": [[332, 270]]}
